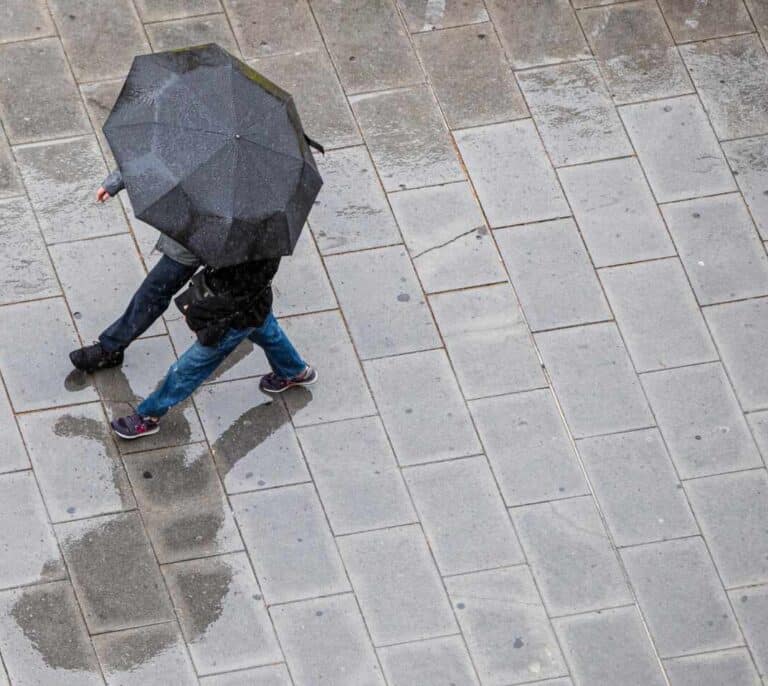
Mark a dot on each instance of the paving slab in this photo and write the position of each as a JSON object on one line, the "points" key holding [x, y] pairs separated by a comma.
{"points": [[720, 248], [758, 422], [751, 605], [574, 113], [594, 380], [447, 238], [397, 585], [421, 15], [484, 332], [99, 98], [62, 178], [505, 625], [616, 212], [368, 43], [680, 595], [38, 96], [35, 339], [470, 75], [635, 51], [571, 556], [749, 161], [181, 33], [552, 274], [429, 663], [351, 212], [43, 638], [701, 421], [76, 462], [711, 669], [382, 301], [14, 454], [692, 20], [609, 647], [160, 10], [677, 148], [463, 516], [28, 546], [511, 173], [408, 140], [145, 657], [10, 179], [290, 543], [27, 272], [24, 20], [356, 475], [528, 447], [422, 408], [326, 640], [222, 614], [271, 675], [538, 33], [759, 13]]}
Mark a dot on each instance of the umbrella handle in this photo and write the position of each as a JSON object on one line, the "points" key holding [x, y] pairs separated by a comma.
{"points": [[314, 144]]}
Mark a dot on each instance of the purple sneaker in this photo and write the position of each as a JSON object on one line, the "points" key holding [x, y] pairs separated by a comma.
{"points": [[134, 426], [272, 383]]}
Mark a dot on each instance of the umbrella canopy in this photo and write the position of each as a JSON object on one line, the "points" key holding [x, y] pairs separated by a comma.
{"points": [[213, 155]]}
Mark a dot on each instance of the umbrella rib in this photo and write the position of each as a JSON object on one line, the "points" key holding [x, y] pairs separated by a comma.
{"points": [[170, 126], [272, 150], [263, 176]]}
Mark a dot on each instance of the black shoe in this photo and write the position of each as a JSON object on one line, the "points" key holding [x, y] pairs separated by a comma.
{"points": [[94, 357]]}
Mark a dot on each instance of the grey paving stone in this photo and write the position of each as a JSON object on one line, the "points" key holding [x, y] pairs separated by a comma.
{"points": [[429, 663], [22, 20], [43, 637], [594, 380], [181, 33], [506, 627], [658, 315], [35, 339], [616, 212], [463, 516], [694, 20], [38, 96], [27, 272], [470, 75], [271, 675], [101, 39], [10, 179], [608, 648], [758, 421], [446, 235], [421, 15], [76, 462], [536, 33], [759, 11], [749, 160], [301, 285], [751, 605], [484, 332], [160, 10], [341, 392], [552, 274], [574, 113], [637, 487], [407, 137], [351, 212], [397, 585], [4, 677], [28, 547], [222, 614], [14, 455], [62, 179], [115, 574], [635, 51], [719, 247], [290, 544], [713, 669], [681, 597], [182, 503], [150, 656], [251, 437], [325, 640], [700, 420], [514, 180], [368, 43], [677, 148], [356, 475], [99, 98], [382, 302], [310, 77], [571, 556], [528, 447], [272, 27], [422, 408], [740, 331], [731, 510]]}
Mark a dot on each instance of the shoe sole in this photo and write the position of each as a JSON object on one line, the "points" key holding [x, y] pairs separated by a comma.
{"points": [[293, 385], [151, 432], [91, 370]]}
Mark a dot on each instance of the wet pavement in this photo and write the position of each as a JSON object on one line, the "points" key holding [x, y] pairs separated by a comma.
{"points": [[535, 286]]}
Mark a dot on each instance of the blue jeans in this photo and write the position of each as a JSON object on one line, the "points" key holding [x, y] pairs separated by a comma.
{"points": [[199, 362]]}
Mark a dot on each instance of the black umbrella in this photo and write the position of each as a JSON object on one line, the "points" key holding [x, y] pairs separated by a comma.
{"points": [[213, 154]]}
